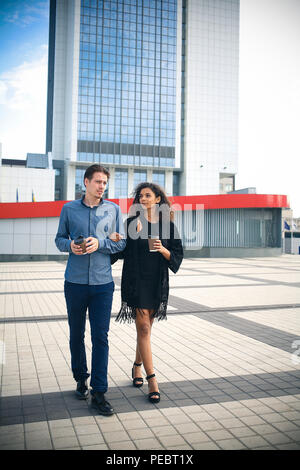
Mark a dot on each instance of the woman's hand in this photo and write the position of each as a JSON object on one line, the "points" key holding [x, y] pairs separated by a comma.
{"points": [[158, 246], [115, 237]]}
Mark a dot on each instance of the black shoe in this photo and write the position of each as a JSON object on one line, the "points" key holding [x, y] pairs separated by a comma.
{"points": [[153, 397], [99, 402], [137, 381], [82, 391]]}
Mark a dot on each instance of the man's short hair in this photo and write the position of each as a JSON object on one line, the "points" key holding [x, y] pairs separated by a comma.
{"points": [[89, 172]]}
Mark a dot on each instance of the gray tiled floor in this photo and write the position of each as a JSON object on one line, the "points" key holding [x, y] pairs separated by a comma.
{"points": [[227, 360]]}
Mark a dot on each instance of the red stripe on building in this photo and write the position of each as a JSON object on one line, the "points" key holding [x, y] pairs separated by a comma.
{"points": [[24, 210]]}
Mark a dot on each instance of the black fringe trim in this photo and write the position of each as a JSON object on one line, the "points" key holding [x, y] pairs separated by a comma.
{"points": [[128, 314]]}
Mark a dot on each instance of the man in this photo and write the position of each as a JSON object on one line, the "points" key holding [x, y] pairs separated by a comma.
{"points": [[88, 279]]}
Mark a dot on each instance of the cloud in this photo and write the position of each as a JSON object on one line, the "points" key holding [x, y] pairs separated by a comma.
{"points": [[23, 98], [24, 86], [26, 13]]}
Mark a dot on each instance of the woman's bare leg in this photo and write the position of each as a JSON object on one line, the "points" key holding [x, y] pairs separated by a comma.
{"points": [[143, 351], [138, 357]]}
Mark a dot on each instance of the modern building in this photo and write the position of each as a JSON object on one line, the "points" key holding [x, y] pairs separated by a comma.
{"points": [[149, 88]]}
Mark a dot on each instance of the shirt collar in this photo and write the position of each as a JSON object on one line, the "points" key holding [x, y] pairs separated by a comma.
{"points": [[83, 203]]}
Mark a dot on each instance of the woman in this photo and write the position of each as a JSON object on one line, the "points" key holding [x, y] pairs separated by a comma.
{"points": [[145, 277]]}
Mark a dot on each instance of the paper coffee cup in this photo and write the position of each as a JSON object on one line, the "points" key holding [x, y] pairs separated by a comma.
{"points": [[81, 242], [151, 240]]}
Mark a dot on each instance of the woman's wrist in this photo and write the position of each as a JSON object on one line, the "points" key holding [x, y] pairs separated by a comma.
{"points": [[165, 252]]}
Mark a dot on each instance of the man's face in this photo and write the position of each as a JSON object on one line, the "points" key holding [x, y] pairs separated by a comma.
{"points": [[96, 186]]}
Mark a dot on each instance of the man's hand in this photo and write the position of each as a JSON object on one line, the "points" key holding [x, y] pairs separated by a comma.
{"points": [[92, 244], [76, 249], [115, 237]]}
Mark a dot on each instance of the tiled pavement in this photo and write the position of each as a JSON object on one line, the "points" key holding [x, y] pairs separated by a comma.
{"points": [[227, 361]]}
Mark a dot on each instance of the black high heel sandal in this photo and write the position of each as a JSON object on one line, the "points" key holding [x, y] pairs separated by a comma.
{"points": [[137, 381], [151, 395]]}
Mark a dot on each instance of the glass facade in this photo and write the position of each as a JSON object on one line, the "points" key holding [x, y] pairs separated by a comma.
{"points": [[79, 185], [127, 82], [121, 183], [140, 176], [158, 177]]}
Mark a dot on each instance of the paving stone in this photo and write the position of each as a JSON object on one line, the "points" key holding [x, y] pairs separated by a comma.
{"points": [[90, 439], [164, 430], [147, 444], [65, 442], [140, 433], [186, 428], [219, 434], [253, 441], [124, 445], [134, 424], [92, 447], [231, 444], [210, 425], [39, 444], [289, 446], [196, 437], [62, 431], [278, 438], [115, 436], [113, 426], [168, 441], [205, 446]]}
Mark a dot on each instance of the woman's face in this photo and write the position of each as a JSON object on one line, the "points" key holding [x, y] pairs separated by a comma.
{"points": [[147, 198]]}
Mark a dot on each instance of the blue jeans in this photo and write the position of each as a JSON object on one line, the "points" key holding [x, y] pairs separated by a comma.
{"points": [[97, 299]]}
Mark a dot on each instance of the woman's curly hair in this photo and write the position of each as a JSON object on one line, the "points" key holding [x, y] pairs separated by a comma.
{"points": [[157, 190]]}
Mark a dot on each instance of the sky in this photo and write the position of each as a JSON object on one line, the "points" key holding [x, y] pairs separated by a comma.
{"points": [[269, 94]]}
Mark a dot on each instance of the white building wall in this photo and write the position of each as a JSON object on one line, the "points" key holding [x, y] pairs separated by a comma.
{"points": [[67, 35], [29, 236], [26, 180], [211, 94]]}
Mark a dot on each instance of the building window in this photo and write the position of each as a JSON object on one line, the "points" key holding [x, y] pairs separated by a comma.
{"points": [[176, 184], [79, 186], [57, 196], [140, 176], [226, 182], [121, 183], [158, 177]]}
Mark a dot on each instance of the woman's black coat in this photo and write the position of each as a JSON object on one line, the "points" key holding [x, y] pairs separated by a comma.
{"points": [[131, 268]]}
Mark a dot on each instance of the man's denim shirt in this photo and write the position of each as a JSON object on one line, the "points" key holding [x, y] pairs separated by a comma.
{"points": [[77, 219]]}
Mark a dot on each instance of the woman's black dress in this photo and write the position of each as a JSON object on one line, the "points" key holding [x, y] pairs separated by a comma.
{"points": [[149, 269], [145, 276]]}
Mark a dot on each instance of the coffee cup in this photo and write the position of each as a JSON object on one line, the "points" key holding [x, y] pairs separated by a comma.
{"points": [[151, 240], [81, 242]]}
